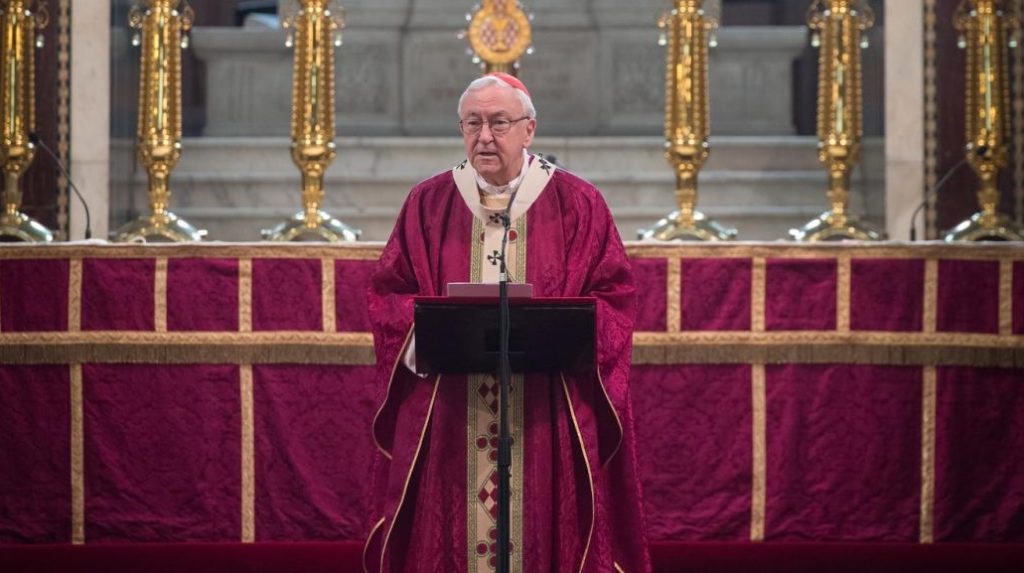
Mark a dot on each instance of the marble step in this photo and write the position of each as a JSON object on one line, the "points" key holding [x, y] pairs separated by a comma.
{"points": [[761, 185]]}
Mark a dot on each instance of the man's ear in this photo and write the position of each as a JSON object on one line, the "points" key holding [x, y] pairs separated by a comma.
{"points": [[531, 128]]}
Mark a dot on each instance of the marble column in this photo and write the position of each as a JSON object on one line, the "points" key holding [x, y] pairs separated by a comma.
{"points": [[90, 115], [904, 116]]}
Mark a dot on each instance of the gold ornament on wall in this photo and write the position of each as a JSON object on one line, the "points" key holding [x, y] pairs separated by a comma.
{"points": [[20, 22], [499, 34], [687, 122], [988, 29], [161, 31], [838, 31], [314, 31]]}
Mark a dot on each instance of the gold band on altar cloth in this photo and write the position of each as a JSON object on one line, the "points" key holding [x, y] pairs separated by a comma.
{"points": [[826, 347], [483, 392], [248, 449], [929, 402]]}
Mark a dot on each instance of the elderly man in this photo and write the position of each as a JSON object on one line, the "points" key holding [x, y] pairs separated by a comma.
{"points": [[575, 493]]}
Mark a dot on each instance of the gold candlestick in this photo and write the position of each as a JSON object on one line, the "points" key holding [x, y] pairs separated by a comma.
{"points": [[19, 21], [160, 26], [499, 33], [686, 123], [985, 26], [838, 28], [314, 30]]}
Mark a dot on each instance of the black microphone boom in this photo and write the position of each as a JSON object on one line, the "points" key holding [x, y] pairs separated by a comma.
{"points": [[36, 140], [982, 150]]}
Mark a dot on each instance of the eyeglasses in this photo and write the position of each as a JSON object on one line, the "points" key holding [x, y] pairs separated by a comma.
{"points": [[499, 125]]}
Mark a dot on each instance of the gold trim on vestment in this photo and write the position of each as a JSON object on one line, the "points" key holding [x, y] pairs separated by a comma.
{"points": [[758, 274], [590, 474], [77, 457], [387, 392], [369, 539], [160, 296], [759, 457], [843, 274], [1006, 297], [931, 296], [327, 287], [929, 403], [674, 295], [245, 295], [615, 413], [248, 455], [408, 477], [74, 295]]}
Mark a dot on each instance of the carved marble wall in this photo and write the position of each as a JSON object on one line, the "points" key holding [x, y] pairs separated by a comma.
{"points": [[597, 70]]}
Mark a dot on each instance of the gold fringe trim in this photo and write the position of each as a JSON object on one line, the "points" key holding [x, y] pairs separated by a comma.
{"points": [[962, 251], [759, 456], [369, 251], [838, 353], [354, 349], [248, 455], [929, 402], [372, 250], [77, 458]]}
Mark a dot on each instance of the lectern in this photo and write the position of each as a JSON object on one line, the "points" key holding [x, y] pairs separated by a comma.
{"points": [[464, 335], [460, 335]]}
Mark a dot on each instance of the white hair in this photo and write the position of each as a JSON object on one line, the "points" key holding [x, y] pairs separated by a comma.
{"points": [[487, 81]]}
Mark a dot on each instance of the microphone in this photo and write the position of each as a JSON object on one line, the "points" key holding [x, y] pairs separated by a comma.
{"points": [[982, 151], [36, 140]]}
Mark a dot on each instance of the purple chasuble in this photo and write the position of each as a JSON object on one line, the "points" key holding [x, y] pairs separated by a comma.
{"points": [[580, 505]]}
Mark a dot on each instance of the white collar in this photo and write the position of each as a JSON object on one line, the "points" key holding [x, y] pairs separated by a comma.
{"points": [[488, 189]]}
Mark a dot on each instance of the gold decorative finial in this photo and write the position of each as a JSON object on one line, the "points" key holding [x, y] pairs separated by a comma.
{"points": [[837, 30], [314, 31], [499, 34], [19, 21], [987, 29], [161, 28], [687, 126]]}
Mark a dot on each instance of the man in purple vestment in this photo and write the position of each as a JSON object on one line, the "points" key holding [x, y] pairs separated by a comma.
{"points": [[576, 503]]}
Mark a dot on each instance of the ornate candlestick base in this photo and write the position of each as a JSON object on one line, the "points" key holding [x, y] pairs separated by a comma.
{"points": [[981, 228], [825, 228], [324, 228], [159, 228], [675, 228], [18, 227]]}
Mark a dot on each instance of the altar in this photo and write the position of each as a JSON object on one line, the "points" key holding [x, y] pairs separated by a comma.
{"points": [[866, 393]]}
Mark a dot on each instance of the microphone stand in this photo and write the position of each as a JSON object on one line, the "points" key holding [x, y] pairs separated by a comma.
{"points": [[504, 382]]}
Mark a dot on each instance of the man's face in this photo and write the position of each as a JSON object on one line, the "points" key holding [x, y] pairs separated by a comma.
{"points": [[498, 158]]}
